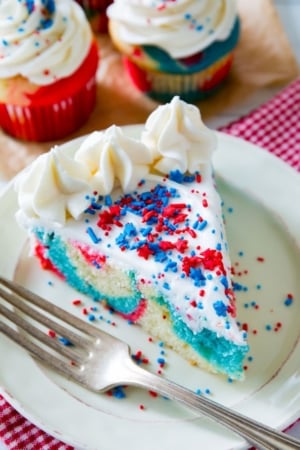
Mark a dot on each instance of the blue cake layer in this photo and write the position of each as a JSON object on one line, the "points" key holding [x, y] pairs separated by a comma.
{"points": [[218, 351]]}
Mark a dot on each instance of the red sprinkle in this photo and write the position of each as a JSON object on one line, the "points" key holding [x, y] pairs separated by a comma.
{"points": [[76, 302], [153, 394], [245, 327]]}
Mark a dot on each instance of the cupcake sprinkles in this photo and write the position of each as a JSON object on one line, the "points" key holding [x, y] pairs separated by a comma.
{"points": [[47, 84], [180, 47], [36, 40]]}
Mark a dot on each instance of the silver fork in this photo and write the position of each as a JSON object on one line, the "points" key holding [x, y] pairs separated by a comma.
{"points": [[99, 361]]}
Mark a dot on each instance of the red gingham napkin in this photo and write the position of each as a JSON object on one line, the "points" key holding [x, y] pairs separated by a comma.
{"points": [[274, 126]]}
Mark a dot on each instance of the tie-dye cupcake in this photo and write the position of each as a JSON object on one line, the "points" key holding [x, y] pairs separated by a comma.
{"points": [[96, 13], [48, 64], [175, 47]]}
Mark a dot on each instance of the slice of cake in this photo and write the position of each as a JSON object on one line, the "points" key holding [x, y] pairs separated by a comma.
{"points": [[137, 223]]}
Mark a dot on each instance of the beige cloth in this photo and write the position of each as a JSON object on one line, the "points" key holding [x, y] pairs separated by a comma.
{"points": [[263, 58]]}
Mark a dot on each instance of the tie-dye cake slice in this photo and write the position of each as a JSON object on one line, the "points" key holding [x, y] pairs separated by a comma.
{"points": [[137, 224]]}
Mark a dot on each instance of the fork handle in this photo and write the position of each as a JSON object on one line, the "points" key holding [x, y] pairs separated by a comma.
{"points": [[254, 432]]}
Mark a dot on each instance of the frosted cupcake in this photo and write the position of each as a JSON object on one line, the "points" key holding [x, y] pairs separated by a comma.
{"points": [[48, 64], [175, 47], [96, 13]]}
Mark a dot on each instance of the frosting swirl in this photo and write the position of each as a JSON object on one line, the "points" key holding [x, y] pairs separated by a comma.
{"points": [[177, 138], [60, 184], [37, 39], [180, 27], [113, 159]]}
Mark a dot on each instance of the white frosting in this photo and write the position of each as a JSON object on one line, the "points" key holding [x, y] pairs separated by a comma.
{"points": [[59, 187], [178, 138], [55, 185], [113, 158], [181, 289], [39, 44], [59, 183], [180, 27]]}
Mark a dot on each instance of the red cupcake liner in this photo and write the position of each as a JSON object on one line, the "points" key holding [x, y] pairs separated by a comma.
{"points": [[55, 111], [50, 122]]}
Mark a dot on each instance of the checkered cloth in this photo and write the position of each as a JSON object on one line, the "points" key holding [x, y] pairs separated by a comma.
{"points": [[274, 126]]}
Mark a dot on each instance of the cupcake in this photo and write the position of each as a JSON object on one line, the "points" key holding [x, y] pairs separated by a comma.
{"points": [[175, 47], [96, 13], [48, 64]]}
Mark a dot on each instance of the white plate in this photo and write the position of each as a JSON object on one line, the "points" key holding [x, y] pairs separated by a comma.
{"points": [[261, 206]]}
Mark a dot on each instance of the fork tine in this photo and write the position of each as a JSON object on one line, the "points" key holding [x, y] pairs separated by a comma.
{"points": [[56, 311], [17, 300], [36, 351], [33, 330]]}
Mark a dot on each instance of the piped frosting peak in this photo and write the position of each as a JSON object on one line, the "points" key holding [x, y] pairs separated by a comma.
{"points": [[57, 185]]}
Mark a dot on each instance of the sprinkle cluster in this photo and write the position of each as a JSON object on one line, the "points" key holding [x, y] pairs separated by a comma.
{"points": [[165, 232]]}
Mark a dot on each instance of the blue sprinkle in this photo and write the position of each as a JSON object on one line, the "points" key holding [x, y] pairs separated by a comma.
{"points": [[224, 281], [145, 231], [95, 205], [202, 225], [92, 235], [288, 301], [177, 176], [65, 341], [220, 308], [118, 392], [108, 200]]}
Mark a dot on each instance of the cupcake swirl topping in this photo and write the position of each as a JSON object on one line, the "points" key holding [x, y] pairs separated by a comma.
{"points": [[37, 39], [180, 27]]}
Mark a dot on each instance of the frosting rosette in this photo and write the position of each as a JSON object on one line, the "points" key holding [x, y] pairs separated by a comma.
{"points": [[59, 184], [180, 27], [37, 39], [114, 159], [177, 138]]}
